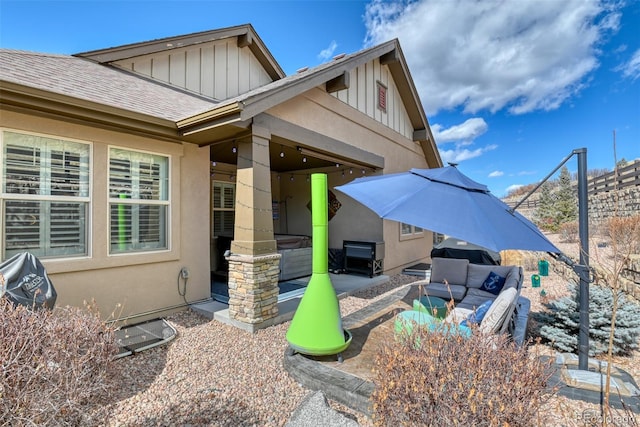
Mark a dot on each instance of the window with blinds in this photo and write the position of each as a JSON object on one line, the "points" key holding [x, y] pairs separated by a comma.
{"points": [[44, 196], [138, 201], [224, 196]]}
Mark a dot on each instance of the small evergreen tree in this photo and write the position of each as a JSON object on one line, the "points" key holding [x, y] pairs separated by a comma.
{"points": [[560, 324], [545, 213], [566, 202]]}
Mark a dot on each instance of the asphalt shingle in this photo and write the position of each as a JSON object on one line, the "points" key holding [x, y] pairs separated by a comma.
{"points": [[103, 84]]}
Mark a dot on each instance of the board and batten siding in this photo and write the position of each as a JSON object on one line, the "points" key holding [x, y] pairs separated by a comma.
{"points": [[362, 94], [218, 70]]}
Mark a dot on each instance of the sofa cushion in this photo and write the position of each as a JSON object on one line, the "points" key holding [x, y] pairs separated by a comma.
{"points": [[449, 270], [493, 283], [483, 295], [446, 292], [513, 279], [497, 313], [474, 301], [477, 274]]}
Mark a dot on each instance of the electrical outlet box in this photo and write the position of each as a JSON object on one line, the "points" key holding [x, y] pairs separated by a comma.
{"points": [[184, 273]]}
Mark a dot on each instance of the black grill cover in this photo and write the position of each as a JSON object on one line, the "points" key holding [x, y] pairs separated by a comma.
{"points": [[455, 248], [25, 281]]}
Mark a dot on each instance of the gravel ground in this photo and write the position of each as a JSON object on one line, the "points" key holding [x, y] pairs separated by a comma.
{"points": [[216, 375]]}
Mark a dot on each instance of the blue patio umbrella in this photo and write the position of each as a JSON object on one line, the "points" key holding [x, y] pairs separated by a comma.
{"points": [[446, 201]]}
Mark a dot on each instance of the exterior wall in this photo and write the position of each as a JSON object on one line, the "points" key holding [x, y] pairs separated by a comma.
{"points": [[219, 69], [133, 284], [314, 110], [362, 95]]}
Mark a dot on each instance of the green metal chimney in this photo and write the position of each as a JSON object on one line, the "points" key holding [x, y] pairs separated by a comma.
{"points": [[316, 327]]}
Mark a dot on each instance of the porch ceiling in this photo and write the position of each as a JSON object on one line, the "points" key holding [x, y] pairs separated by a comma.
{"points": [[292, 161]]}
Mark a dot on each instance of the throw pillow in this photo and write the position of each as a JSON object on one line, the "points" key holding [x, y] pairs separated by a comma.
{"points": [[476, 316], [493, 283]]}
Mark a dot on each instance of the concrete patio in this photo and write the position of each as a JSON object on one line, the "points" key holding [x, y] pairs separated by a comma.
{"points": [[344, 285]]}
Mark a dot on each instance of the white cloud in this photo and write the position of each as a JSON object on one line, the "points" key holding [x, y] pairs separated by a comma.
{"points": [[459, 154], [462, 136], [496, 174], [467, 131], [327, 53], [520, 55], [631, 69]]}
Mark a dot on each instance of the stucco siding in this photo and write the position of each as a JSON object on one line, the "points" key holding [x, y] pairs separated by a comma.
{"points": [[218, 70], [130, 284], [314, 109]]}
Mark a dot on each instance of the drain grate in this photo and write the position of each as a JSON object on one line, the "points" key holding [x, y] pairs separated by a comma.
{"points": [[143, 336]]}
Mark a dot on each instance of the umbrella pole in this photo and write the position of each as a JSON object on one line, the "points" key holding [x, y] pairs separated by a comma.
{"points": [[583, 271]]}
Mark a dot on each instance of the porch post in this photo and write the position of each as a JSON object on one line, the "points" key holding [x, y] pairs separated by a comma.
{"points": [[254, 261]]}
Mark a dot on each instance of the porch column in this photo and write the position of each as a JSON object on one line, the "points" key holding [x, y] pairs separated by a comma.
{"points": [[254, 261]]}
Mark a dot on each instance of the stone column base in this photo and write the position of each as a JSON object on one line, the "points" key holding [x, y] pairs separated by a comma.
{"points": [[253, 287]]}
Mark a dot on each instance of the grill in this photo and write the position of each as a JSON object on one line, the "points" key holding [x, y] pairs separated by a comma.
{"points": [[363, 257]]}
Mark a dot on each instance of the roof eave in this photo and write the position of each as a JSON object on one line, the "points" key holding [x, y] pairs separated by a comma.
{"points": [[246, 34], [24, 98], [398, 67]]}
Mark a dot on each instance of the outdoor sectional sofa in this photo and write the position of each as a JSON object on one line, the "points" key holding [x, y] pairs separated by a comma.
{"points": [[472, 286]]}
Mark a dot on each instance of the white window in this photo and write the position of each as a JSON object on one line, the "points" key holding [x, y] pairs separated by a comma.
{"points": [[410, 231], [138, 201], [44, 196], [224, 195]]}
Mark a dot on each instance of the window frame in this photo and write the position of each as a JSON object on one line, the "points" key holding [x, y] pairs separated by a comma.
{"points": [[415, 232], [139, 202], [46, 201], [222, 209]]}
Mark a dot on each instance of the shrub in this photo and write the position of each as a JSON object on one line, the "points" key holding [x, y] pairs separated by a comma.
{"points": [[451, 380], [569, 231], [560, 323], [624, 232], [56, 366]]}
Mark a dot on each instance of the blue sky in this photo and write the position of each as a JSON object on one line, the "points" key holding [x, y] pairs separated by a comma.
{"points": [[509, 87]]}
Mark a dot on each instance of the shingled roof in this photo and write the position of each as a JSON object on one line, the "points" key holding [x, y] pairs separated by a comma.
{"points": [[86, 80]]}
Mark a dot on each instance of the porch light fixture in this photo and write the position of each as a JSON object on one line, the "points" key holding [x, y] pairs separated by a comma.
{"points": [[281, 152]]}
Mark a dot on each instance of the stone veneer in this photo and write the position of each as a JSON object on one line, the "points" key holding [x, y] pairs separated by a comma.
{"points": [[253, 287]]}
